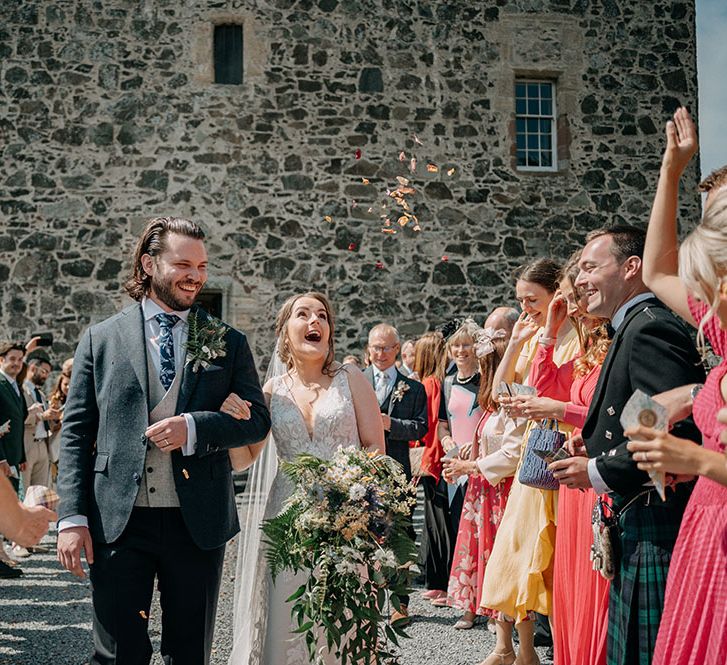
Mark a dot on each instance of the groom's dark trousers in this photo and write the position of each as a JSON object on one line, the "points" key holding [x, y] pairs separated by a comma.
{"points": [[112, 475]]}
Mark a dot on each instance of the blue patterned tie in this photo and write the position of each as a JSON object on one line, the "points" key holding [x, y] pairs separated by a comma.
{"points": [[166, 348]]}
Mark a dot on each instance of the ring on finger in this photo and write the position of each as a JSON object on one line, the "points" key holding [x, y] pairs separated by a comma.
{"points": [[166, 442]]}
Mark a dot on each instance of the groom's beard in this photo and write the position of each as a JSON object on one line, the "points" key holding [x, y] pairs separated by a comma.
{"points": [[164, 290]]}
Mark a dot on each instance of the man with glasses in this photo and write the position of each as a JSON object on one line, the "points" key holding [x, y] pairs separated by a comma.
{"points": [[403, 405]]}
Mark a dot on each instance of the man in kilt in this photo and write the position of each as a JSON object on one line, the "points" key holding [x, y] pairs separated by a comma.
{"points": [[651, 351]]}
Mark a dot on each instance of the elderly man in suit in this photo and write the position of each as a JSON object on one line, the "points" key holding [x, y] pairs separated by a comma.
{"points": [[651, 351], [402, 401], [144, 475]]}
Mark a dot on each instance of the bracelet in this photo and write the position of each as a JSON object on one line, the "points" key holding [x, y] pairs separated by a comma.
{"points": [[547, 341]]}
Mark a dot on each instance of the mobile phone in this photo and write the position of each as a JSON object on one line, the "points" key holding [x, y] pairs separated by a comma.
{"points": [[46, 338]]}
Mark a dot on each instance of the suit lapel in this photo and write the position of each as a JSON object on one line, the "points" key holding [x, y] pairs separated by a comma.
{"points": [[189, 377], [392, 403], [369, 374], [16, 399], [133, 342], [611, 355]]}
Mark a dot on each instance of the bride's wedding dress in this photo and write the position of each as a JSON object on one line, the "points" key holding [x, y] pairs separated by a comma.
{"points": [[264, 637]]}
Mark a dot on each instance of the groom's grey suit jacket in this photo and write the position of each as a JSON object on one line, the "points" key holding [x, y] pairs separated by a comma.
{"points": [[103, 448]]}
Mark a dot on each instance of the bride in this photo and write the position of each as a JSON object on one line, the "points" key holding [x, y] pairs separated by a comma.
{"points": [[316, 405]]}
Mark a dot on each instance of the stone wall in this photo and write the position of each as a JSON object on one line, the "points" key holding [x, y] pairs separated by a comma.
{"points": [[109, 116]]}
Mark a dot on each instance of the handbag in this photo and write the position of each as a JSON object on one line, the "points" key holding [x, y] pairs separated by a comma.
{"points": [[415, 459], [544, 438], [606, 539], [606, 546]]}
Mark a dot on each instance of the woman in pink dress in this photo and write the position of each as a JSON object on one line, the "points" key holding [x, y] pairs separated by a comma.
{"points": [[693, 627], [489, 467], [580, 595]]}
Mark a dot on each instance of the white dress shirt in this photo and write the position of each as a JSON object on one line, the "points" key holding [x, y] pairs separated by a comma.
{"points": [[597, 481], [152, 332], [383, 378]]}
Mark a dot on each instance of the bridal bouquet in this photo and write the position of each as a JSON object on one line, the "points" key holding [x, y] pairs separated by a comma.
{"points": [[346, 526]]}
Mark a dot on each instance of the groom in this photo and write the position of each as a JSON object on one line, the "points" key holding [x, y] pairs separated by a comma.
{"points": [[144, 477]]}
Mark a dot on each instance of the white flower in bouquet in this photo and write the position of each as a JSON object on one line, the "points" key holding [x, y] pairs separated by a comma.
{"points": [[356, 491], [385, 558]]}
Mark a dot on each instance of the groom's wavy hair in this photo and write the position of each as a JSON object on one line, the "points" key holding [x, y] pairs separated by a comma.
{"points": [[153, 242], [281, 329]]}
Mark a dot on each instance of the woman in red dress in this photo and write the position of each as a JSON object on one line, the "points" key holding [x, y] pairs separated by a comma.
{"points": [[490, 467], [693, 627], [580, 595], [430, 357]]}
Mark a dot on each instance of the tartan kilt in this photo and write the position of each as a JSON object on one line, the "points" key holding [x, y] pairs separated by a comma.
{"points": [[636, 600]]}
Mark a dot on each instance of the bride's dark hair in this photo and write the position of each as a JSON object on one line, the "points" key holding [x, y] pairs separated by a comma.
{"points": [[281, 329]]}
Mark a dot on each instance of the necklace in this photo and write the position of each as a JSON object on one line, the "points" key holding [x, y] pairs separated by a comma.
{"points": [[464, 380]]}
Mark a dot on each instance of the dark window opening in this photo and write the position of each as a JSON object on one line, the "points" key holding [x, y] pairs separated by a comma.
{"points": [[228, 54], [211, 301]]}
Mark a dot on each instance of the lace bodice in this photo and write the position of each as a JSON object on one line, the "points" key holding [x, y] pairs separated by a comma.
{"points": [[334, 420]]}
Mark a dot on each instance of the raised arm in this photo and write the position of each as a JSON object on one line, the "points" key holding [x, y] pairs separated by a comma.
{"points": [[661, 253], [523, 330], [366, 406]]}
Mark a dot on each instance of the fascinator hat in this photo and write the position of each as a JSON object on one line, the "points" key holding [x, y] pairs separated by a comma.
{"points": [[484, 339]]}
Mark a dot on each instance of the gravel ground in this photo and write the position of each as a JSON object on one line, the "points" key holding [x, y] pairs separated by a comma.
{"points": [[45, 619]]}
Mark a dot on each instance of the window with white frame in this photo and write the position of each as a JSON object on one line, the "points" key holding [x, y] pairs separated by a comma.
{"points": [[535, 127]]}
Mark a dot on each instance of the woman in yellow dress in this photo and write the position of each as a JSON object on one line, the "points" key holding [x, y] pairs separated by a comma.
{"points": [[518, 577]]}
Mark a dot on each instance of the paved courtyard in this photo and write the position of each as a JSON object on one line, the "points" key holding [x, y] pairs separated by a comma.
{"points": [[45, 619]]}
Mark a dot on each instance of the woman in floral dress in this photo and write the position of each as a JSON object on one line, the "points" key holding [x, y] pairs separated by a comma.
{"points": [[491, 464]]}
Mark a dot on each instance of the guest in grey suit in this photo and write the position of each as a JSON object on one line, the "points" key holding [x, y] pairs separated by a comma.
{"points": [[144, 474]]}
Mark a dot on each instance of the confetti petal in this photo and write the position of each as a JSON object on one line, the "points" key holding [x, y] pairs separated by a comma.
{"points": [[402, 181], [327, 218], [403, 220], [450, 172], [142, 614], [388, 229], [417, 140], [379, 265], [365, 181], [354, 204], [413, 164], [432, 168], [370, 210], [358, 153], [445, 258], [402, 156], [351, 246], [416, 227]]}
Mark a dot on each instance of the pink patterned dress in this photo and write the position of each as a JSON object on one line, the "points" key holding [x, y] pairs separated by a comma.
{"points": [[693, 628], [484, 505]]}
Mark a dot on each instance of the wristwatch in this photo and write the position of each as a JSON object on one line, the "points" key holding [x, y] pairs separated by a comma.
{"points": [[695, 390]]}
